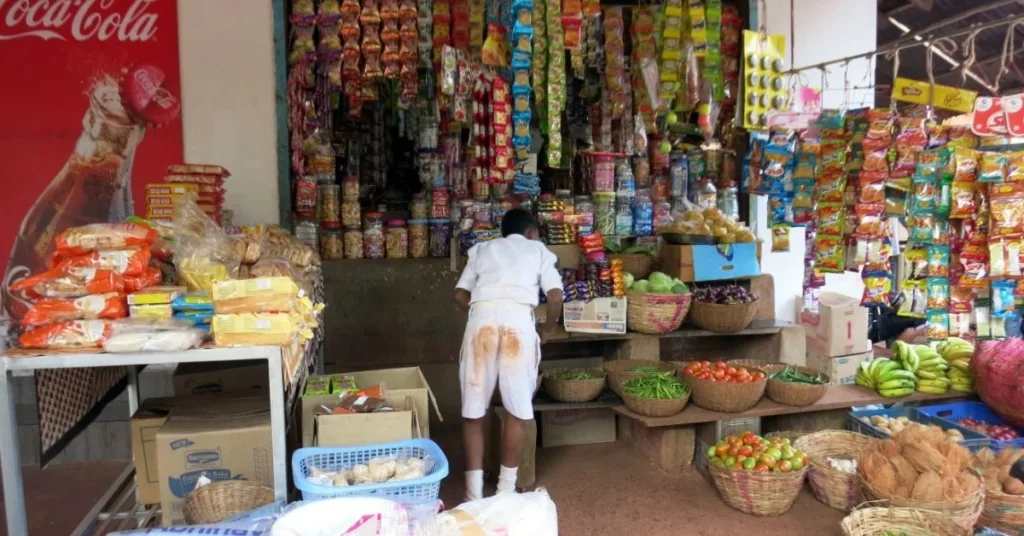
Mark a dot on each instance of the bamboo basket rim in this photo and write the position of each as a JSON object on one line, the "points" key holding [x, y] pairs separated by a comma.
{"points": [[722, 317], [636, 404], [795, 394], [222, 499], [852, 524]]}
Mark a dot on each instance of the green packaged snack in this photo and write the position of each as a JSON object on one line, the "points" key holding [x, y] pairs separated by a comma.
{"points": [[318, 385], [341, 383]]}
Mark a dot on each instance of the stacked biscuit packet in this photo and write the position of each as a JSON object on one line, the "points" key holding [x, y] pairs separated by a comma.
{"points": [[202, 182]]}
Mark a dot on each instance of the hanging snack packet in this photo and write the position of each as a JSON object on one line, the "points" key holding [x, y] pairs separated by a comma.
{"points": [[961, 299], [1003, 302], [830, 254], [895, 203], [780, 237], [831, 219], [962, 200], [877, 286], [880, 123], [857, 124], [938, 261], [974, 260], [940, 233], [960, 325], [992, 168], [1007, 210], [911, 140], [983, 318], [1015, 167], [871, 188], [876, 156], [916, 263], [913, 300], [965, 164], [920, 227], [870, 221], [938, 325], [938, 292], [924, 193]]}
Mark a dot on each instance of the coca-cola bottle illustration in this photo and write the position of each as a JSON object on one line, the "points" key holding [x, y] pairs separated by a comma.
{"points": [[94, 185]]}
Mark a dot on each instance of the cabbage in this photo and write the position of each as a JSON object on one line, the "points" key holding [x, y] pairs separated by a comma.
{"points": [[680, 289], [641, 286], [628, 279], [660, 278]]}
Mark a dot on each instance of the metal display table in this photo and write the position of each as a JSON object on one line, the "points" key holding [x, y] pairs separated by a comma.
{"points": [[10, 463]]}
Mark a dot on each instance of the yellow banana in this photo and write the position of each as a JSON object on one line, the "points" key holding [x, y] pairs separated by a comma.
{"points": [[932, 390]]}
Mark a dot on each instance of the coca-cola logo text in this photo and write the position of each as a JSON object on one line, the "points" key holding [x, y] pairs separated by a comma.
{"points": [[77, 20]]}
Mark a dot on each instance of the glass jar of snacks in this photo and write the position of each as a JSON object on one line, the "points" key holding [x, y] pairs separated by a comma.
{"points": [[350, 187], [604, 172], [330, 206], [307, 232], [353, 242], [440, 238], [419, 243], [397, 240], [373, 236], [439, 204], [331, 245], [623, 217], [418, 207], [604, 213], [350, 213]]}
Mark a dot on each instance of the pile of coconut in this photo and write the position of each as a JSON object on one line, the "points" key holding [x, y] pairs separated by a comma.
{"points": [[995, 470]]}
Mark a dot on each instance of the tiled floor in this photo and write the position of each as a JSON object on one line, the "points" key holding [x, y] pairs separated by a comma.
{"points": [[598, 489]]}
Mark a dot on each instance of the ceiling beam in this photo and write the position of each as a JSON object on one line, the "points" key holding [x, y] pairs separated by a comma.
{"points": [[941, 23]]}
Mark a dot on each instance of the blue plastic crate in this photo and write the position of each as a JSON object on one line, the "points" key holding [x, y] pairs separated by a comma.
{"points": [[955, 411], [427, 488], [972, 440]]}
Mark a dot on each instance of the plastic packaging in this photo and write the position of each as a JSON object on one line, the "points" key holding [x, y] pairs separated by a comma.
{"points": [[73, 334], [261, 295], [397, 240], [156, 295], [159, 311], [250, 329], [418, 239], [100, 236], [203, 253], [53, 284], [121, 261], [154, 341], [51, 310], [373, 236]]}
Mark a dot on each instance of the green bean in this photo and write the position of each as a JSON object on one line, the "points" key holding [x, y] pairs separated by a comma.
{"points": [[645, 369], [793, 375], [660, 386], [572, 376]]}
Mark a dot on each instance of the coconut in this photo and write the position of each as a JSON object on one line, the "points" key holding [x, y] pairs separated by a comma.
{"points": [[1013, 486], [928, 487], [906, 475], [951, 489], [925, 457], [968, 482]]}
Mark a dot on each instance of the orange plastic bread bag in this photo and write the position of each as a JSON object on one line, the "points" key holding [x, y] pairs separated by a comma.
{"points": [[98, 236], [121, 261], [54, 284], [52, 310], [73, 334]]}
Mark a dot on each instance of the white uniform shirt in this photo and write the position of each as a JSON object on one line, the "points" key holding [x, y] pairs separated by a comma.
{"points": [[513, 268]]}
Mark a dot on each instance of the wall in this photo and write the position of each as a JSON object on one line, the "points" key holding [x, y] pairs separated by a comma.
{"points": [[817, 31], [228, 102]]}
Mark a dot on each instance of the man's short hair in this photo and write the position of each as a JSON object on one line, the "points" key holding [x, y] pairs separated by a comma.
{"points": [[518, 221]]}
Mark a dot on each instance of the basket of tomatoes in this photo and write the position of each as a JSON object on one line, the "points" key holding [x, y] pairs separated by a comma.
{"points": [[757, 475], [720, 386]]}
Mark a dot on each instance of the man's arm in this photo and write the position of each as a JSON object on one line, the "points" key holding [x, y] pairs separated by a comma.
{"points": [[464, 288], [554, 312], [551, 284], [462, 297]]}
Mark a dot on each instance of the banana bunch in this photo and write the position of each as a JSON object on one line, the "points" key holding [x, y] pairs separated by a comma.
{"points": [[931, 369], [957, 353], [886, 376]]}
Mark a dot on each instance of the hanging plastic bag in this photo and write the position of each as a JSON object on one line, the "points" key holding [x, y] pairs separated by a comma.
{"points": [[203, 252]]}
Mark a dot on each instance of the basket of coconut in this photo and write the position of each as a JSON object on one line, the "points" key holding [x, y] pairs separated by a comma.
{"points": [[1004, 494], [920, 467]]}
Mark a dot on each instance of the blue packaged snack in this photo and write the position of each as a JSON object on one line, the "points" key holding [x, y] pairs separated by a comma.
{"points": [[198, 318], [193, 301], [1003, 302]]}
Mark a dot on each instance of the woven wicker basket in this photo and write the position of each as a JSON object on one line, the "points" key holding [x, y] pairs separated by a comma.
{"points": [[656, 314], [649, 407], [964, 512], [757, 493], [218, 501], [637, 264], [722, 318], [831, 486], [872, 521], [574, 390], [794, 394], [727, 397], [752, 363], [619, 371], [1003, 512]]}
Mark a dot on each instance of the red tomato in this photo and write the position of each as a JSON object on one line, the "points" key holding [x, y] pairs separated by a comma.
{"points": [[746, 450], [736, 465], [761, 467], [730, 370], [749, 438], [730, 438], [693, 366], [719, 374], [690, 372], [741, 370], [733, 450], [704, 375], [705, 364], [743, 377], [757, 376], [721, 451]]}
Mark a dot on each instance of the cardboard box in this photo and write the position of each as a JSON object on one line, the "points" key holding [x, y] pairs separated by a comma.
{"points": [[204, 378], [568, 255], [838, 328], [368, 428], [694, 263], [840, 369], [228, 439], [577, 427], [600, 315], [398, 382], [148, 419]]}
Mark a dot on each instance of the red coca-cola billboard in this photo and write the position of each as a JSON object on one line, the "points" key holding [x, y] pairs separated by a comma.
{"points": [[90, 115]]}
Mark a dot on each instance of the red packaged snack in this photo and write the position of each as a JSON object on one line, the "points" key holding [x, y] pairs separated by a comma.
{"points": [[73, 334], [54, 284], [962, 205], [148, 278], [1006, 206], [119, 261], [870, 221], [204, 169], [98, 236], [98, 306]]}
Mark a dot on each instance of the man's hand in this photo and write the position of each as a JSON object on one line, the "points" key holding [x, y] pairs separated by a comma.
{"points": [[543, 333], [914, 335], [462, 299]]}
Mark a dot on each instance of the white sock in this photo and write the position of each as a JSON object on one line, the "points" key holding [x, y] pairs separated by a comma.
{"points": [[475, 484], [507, 479]]}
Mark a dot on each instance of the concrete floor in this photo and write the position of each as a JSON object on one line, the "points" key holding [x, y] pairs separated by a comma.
{"points": [[598, 489]]}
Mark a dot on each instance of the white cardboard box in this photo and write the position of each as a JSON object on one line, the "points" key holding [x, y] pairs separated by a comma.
{"points": [[838, 328], [600, 315], [840, 369], [577, 427]]}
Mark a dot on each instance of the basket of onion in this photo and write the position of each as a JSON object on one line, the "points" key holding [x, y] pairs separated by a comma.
{"points": [[723, 308]]}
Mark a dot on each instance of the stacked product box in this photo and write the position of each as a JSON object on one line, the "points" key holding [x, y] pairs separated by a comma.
{"points": [[204, 183]]}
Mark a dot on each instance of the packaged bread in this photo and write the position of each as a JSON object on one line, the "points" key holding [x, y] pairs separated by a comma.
{"points": [[100, 236], [53, 310], [252, 329], [159, 311], [261, 295], [149, 277], [176, 340], [156, 295], [66, 335], [120, 261], [54, 284]]}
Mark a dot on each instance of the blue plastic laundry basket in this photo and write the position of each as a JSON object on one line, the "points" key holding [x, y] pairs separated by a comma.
{"points": [[337, 458]]}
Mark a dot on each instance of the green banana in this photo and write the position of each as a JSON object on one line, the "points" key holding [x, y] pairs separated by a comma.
{"points": [[897, 374], [896, 384], [865, 366], [961, 389], [899, 349], [959, 353], [863, 382], [932, 390], [886, 368], [941, 382], [927, 375], [913, 361], [877, 364], [896, 393]]}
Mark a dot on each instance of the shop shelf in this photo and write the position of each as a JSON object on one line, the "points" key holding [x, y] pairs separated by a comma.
{"points": [[856, 422], [427, 488], [955, 411]]}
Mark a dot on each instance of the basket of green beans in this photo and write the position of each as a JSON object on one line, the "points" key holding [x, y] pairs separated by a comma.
{"points": [[655, 395], [620, 370], [794, 385], [574, 384]]}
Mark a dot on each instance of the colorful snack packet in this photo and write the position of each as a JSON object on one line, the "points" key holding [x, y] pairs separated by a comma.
{"points": [[103, 236], [975, 262], [877, 286], [937, 325], [73, 334], [992, 168], [831, 219], [52, 310], [830, 254], [916, 263], [938, 261], [938, 292], [1003, 301], [961, 299], [913, 299]]}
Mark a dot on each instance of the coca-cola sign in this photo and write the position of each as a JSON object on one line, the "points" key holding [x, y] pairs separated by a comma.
{"points": [[79, 20]]}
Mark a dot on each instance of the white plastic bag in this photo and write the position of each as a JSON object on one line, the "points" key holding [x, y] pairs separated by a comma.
{"points": [[154, 341], [507, 514]]}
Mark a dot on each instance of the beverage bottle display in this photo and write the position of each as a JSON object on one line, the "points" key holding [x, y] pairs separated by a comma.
{"points": [[95, 183]]}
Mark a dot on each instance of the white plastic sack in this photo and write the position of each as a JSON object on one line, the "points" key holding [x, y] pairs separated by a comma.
{"points": [[507, 514], [352, 516]]}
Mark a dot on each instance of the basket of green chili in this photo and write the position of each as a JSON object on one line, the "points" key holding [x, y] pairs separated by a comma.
{"points": [[655, 395], [620, 370], [794, 385], [574, 384]]}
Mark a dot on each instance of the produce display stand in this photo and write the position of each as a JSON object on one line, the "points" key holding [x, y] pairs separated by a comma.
{"points": [[17, 361]]}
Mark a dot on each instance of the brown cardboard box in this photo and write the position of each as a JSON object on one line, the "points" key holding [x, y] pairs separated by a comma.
{"points": [[842, 369], [150, 416], [577, 427], [838, 328], [599, 315], [696, 263], [205, 378], [568, 255], [368, 428], [398, 382], [226, 439]]}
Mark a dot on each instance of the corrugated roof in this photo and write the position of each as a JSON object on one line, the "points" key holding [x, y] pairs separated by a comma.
{"points": [[938, 18]]}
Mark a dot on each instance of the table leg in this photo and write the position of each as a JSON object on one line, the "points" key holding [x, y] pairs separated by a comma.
{"points": [[10, 460], [278, 428]]}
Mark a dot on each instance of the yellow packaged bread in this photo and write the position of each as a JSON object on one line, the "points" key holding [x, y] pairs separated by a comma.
{"points": [[162, 311], [156, 295], [260, 295], [252, 329]]}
